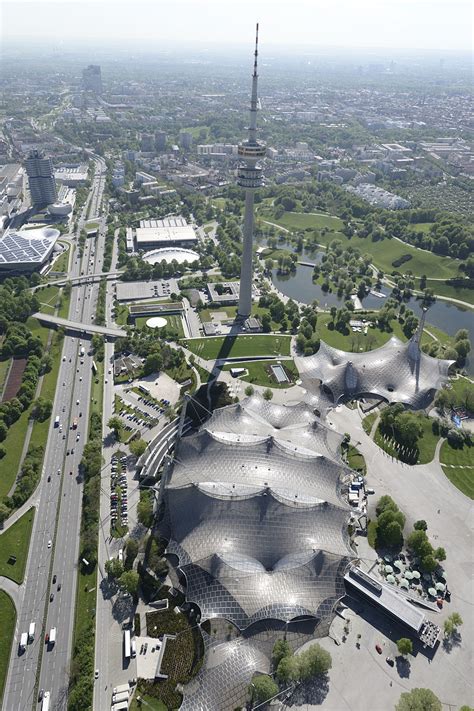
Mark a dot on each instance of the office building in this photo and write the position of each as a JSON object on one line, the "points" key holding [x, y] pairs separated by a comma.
{"points": [[160, 140], [41, 179], [185, 140], [92, 79], [250, 178]]}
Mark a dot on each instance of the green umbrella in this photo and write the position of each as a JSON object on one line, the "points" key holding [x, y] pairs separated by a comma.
{"points": [[408, 575], [416, 574], [432, 592], [443, 575], [390, 579], [440, 586], [388, 569], [398, 564], [404, 583]]}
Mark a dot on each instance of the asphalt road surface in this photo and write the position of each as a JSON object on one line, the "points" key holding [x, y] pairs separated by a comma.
{"points": [[57, 518]]}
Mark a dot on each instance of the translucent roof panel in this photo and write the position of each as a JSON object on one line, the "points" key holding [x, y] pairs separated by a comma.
{"points": [[396, 372]]}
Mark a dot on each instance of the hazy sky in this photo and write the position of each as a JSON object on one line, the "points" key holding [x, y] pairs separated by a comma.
{"points": [[399, 24]]}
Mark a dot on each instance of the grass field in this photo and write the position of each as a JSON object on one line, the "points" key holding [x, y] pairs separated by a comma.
{"points": [[63, 311], [13, 444], [427, 443], [356, 342], [196, 130], [15, 541], [238, 346], [97, 389], [174, 322], [7, 624], [258, 375], [453, 292], [121, 314], [4, 368], [463, 479], [368, 421], [37, 329], [62, 262], [149, 704], [383, 252], [356, 460], [48, 298], [40, 430]]}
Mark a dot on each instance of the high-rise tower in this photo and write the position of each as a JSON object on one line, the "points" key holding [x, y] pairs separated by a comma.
{"points": [[41, 180], [250, 178]]}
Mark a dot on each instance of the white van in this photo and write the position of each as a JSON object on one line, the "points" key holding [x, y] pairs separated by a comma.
{"points": [[31, 631]]}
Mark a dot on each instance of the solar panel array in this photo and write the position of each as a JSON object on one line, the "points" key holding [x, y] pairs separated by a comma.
{"points": [[18, 248]]}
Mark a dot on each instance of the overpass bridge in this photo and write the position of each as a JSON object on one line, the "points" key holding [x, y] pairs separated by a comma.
{"points": [[79, 327], [80, 279]]}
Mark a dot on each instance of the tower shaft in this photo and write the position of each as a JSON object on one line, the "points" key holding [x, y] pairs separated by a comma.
{"points": [[250, 178]]}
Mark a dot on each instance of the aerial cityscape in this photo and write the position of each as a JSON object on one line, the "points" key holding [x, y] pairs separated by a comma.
{"points": [[236, 379]]}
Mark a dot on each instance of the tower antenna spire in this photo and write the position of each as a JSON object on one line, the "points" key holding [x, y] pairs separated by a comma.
{"points": [[250, 178]]}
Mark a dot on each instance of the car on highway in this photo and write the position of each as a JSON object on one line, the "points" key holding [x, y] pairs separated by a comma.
{"points": [[96, 674], [54, 579], [49, 477], [50, 543], [59, 587], [51, 597], [40, 695]]}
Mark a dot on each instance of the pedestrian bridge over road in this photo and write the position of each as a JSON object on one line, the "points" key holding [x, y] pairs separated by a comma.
{"points": [[81, 279], [79, 327]]}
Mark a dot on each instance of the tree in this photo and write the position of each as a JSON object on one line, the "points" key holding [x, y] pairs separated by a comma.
{"points": [[267, 394], [288, 670], [115, 424], [439, 554], [137, 447], [4, 512], [428, 563], [420, 525], [418, 700], [452, 623], [405, 646], [129, 581], [249, 390], [262, 688], [281, 649], [114, 567], [314, 661], [41, 409], [385, 502], [153, 363], [418, 542]]}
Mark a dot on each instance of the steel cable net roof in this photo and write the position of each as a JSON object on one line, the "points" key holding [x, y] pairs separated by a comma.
{"points": [[396, 372], [259, 529]]}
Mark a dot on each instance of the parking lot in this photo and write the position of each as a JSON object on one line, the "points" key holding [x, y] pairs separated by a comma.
{"points": [[118, 491]]}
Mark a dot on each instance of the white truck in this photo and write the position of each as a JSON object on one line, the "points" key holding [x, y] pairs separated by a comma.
{"points": [[120, 689], [23, 641], [56, 421], [117, 698], [31, 631], [52, 636], [82, 352], [133, 648], [45, 704], [122, 706]]}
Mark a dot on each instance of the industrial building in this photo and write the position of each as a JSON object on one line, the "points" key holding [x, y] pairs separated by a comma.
{"points": [[28, 250]]}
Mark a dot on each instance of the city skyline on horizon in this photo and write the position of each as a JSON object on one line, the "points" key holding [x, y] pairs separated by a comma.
{"points": [[438, 25]]}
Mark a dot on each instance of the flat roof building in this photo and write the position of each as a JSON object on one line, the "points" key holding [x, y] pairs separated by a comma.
{"points": [[168, 232]]}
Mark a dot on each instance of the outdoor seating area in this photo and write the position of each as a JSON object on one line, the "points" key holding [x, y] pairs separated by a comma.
{"points": [[401, 572]]}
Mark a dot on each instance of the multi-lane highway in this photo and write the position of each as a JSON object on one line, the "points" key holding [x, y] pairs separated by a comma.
{"points": [[55, 538]]}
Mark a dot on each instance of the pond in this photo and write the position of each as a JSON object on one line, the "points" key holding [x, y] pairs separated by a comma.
{"points": [[443, 314]]}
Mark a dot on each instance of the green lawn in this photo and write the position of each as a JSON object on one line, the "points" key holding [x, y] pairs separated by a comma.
{"points": [[48, 298], [463, 479], [121, 314], [356, 460], [454, 292], [37, 329], [62, 262], [63, 311], [356, 342], [303, 220], [15, 541], [196, 130], [7, 624], [39, 434], [427, 443], [13, 444], [368, 421], [97, 389], [258, 373], [4, 368], [383, 252], [238, 346], [149, 704]]}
